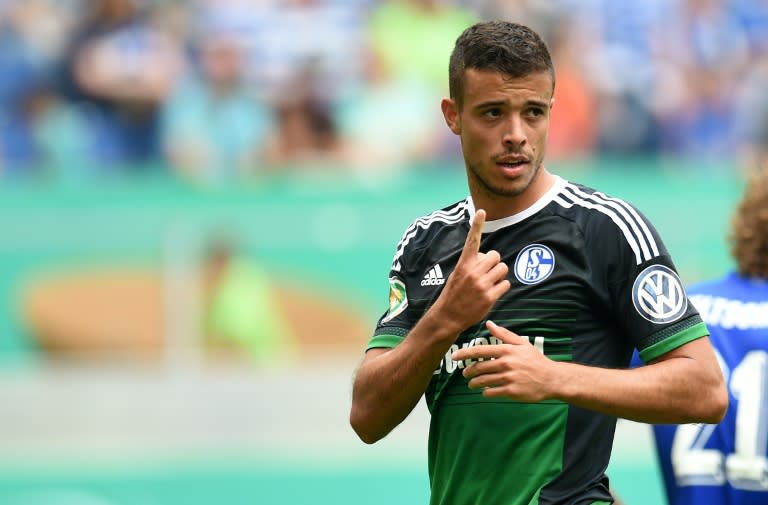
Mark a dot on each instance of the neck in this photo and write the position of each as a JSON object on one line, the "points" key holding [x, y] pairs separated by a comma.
{"points": [[498, 206]]}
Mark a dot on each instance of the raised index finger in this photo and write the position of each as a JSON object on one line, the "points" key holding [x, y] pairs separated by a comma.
{"points": [[472, 244]]}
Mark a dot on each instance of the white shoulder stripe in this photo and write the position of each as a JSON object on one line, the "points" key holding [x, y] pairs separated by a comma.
{"points": [[576, 200], [638, 219], [562, 202], [459, 210], [630, 216], [454, 215]]}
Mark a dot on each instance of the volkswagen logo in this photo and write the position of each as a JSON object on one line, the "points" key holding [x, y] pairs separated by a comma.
{"points": [[658, 295]]}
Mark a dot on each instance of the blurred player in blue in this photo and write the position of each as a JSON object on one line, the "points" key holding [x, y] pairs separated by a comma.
{"points": [[727, 463]]}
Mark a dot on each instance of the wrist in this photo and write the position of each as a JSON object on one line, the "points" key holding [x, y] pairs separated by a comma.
{"points": [[562, 381], [447, 321], [440, 325]]}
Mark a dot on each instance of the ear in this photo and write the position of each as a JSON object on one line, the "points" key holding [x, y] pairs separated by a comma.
{"points": [[451, 115]]}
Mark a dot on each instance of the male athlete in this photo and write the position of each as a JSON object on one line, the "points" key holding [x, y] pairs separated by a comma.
{"points": [[515, 311], [727, 464]]}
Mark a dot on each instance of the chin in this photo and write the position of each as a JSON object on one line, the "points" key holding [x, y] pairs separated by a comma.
{"points": [[505, 190]]}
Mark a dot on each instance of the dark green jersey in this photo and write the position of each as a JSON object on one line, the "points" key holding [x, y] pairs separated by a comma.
{"points": [[591, 281]]}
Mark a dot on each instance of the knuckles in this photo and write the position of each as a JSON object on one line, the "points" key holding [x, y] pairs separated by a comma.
{"points": [[493, 256]]}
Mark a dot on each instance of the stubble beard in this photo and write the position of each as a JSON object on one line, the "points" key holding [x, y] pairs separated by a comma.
{"points": [[498, 191]]}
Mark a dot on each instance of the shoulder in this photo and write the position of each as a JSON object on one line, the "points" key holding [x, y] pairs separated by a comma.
{"points": [[422, 231], [429, 223], [609, 220], [586, 203]]}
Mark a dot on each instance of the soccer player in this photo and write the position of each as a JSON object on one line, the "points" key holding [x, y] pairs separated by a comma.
{"points": [[727, 463], [516, 310]]}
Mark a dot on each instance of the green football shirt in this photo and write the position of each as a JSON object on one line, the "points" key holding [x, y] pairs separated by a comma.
{"points": [[591, 281]]}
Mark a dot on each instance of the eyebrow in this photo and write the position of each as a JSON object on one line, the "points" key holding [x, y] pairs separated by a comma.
{"points": [[537, 103], [500, 103]]}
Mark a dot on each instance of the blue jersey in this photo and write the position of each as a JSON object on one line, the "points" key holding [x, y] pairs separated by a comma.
{"points": [[726, 463]]}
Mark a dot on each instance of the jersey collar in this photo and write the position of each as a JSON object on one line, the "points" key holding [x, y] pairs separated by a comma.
{"points": [[491, 226]]}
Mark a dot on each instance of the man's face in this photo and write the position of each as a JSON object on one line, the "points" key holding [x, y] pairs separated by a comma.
{"points": [[503, 127]]}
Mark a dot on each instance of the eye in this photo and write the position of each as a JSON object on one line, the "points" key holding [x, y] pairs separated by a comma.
{"points": [[492, 113], [535, 112]]}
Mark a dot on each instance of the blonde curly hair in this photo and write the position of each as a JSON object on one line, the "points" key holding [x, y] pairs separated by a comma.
{"points": [[749, 231]]}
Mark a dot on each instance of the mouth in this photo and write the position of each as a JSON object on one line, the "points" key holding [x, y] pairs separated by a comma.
{"points": [[512, 166]]}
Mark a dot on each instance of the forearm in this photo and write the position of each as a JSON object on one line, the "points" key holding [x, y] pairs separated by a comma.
{"points": [[388, 386], [389, 383], [672, 391], [683, 385]]}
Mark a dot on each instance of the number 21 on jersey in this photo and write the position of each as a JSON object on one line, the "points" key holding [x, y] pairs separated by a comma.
{"points": [[747, 467]]}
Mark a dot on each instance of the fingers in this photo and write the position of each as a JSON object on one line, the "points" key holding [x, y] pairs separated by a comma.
{"points": [[490, 351], [497, 290], [505, 335], [485, 381], [476, 283], [477, 352], [497, 270], [472, 244]]}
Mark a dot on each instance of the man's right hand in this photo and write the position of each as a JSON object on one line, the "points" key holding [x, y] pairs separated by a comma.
{"points": [[476, 283]]}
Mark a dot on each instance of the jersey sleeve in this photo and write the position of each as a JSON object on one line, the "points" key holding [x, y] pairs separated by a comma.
{"points": [[639, 284], [397, 321]]}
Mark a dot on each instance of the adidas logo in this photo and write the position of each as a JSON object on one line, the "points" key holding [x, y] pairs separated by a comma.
{"points": [[434, 277]]}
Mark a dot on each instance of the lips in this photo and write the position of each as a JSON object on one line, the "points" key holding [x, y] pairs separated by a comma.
{"points": [[511, 160], [512, 166]]}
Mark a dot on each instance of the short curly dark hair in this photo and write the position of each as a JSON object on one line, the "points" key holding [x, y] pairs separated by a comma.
{"points": [[510, 48], [749, 230]]}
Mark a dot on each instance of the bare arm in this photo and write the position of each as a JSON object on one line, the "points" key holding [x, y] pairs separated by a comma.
{"points": [[683, 386], [389, 383]]}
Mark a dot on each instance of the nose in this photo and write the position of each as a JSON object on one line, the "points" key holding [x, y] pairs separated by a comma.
{"points": [[514, 134]]}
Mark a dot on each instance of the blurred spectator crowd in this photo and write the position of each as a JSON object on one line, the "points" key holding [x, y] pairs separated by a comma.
{"points": [[223, 91]]}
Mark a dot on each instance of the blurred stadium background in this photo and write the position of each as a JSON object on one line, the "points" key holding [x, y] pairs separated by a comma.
{"points": [[199, 201]]}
